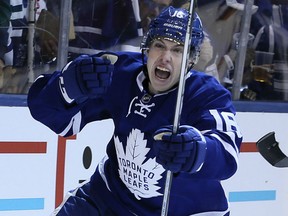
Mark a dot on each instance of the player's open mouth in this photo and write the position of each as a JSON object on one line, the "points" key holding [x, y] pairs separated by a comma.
{"points": [[162, 73]]}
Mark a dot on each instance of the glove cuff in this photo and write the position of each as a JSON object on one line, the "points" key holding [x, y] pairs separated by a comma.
{"points": [[200, 157], [200, 134]]}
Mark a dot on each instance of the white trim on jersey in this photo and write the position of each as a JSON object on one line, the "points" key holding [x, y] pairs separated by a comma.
{"points": [[227, 147], [17, 15], [101, 170], [88, 29], [74, 124], [271, 38], [67, 196], [16, 32]]}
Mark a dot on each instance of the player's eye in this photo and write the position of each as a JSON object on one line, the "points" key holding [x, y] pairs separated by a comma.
{"points": [[178, 50], [159, 45]]}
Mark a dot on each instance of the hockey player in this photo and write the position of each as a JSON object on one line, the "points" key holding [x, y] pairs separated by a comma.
{"points": [[139, 93]]}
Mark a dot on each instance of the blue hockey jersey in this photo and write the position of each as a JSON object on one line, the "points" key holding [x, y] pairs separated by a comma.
{"points": [[130, 170]]}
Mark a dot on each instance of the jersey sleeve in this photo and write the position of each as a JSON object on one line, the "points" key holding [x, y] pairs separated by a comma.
{"points": [[214, 115], [46, 105]]}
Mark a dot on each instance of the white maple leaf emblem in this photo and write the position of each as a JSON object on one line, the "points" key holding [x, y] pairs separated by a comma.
{"points": [[139, 177]]}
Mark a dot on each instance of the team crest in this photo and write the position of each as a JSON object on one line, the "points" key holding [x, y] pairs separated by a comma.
{"points": [[140, 177]]}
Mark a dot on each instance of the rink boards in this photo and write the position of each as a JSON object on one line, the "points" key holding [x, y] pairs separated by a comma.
{"points": [[37, 167]]}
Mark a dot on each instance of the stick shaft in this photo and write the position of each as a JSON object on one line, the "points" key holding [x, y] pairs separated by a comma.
{"points": [[179, 102]]}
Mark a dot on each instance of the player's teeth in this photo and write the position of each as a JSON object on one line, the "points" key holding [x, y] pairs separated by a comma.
{"points": [[162, 68]]}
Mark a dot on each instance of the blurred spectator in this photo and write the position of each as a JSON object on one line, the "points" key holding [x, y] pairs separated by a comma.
{"points": [[148, 9], [107, 24], [19, 32], [5, 14], [207, 59], [270, 27], [15, 56], [14, 46], [222, 20], [99, 24]]}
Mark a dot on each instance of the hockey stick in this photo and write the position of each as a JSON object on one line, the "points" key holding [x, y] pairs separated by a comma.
{"points": [[179, 102], [269, 149]]}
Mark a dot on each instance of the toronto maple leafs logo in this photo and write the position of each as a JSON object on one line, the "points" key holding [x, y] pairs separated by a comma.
{"points": [[139, 177]]}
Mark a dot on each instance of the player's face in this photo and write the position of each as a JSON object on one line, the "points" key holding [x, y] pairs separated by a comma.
{"points": [[164, 65]]}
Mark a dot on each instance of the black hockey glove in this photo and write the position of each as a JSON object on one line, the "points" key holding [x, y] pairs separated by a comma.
{"points": [[86, 77], [181, 152]]}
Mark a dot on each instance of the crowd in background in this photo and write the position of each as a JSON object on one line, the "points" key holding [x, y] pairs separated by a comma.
{"points": [[120, 25]]}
